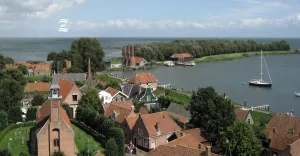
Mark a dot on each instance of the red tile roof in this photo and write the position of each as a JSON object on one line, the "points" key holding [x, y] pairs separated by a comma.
{"points": [[279, 130], [112, 91], [241, 114], [178, 150], [144, 110], [43, 67], [295, 150], [196, 133], [166, 124], [138, 59], [186, 140], [131, 121], [39, 86], [180, 118], [65, 88], [123, 110], [180, 55], [143, 78]]}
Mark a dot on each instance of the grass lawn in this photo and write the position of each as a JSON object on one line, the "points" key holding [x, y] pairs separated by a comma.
{"points": [[16, 141], [81, 143], [231, 56], [158, 91], [260, 118], [184, 99], [34, 78], [105, 78]]}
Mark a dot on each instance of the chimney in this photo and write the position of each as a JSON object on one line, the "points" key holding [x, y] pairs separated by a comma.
{"points": [[132, 60], [128, 56], [208, 150], [157, 128], [89, 68]]}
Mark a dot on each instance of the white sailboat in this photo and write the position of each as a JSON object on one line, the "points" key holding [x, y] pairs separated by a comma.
{"points": [[260, 82]]}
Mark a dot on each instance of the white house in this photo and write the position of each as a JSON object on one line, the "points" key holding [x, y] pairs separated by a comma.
{"points": [[105, 96]]}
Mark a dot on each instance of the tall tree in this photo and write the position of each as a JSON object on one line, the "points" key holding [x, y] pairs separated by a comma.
{"points": [[240, 139], [110, 148], [11, 93], [13, 74], [118, 135], [91, 99], [211, 112], [15, 114], [38, 100], [31, 114], [3, 120], [23, 69]]}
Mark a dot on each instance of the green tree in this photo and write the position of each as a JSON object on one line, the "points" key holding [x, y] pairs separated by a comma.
{"points": [[14, 114], [3, 120], [240, 139], [51, 56], [46, 79], [31, 114], [85, 152], [118, 135], [23, 69], [58, 153], [38, 100], [164, 101], [5, 152], [68, 109], [13, 74], [211, 112], [8, 60], [11, 93], [91, 99], [110, 148], [100, 86]]}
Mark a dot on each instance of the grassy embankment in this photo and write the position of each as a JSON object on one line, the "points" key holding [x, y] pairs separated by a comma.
{"points": [[232, 56], [260, 118], [81, 142]]}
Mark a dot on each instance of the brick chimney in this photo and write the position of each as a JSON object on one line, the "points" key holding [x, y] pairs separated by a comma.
{"points": [[89, 70], [128, 56], [124, 56], [208, 151], [132, 60]]}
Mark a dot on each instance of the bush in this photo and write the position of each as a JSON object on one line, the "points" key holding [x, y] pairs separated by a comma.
{"points": [[118, 135], [58, 153], [14, 114], [46, 79], [38, 100], [5, 152], [31, 114], [13, 126], [110, 148], [3, 120]]}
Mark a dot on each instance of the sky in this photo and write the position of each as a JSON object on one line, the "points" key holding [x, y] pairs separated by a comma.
{"points": [[150, 18]]}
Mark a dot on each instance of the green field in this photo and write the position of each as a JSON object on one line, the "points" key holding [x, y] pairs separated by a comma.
{"points": [[15, 141], [158, 91], [232, 56], [81, 142], [105, 78], [260, 118], [34, 78], [181, 98]]}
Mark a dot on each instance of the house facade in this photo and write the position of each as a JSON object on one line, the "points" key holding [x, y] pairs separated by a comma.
{"points": [[153, 130], [112, 95], [43, 69], [149, 99], [53, 128], [140, 62], [71, 95], [244, 115]]}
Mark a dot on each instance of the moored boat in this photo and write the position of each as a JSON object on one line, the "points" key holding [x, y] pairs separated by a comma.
{"points": [[297, 94], [169, 63], [192, 63]]}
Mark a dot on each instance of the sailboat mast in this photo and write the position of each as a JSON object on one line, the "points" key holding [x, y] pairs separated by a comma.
{"points": [[261, 65]]}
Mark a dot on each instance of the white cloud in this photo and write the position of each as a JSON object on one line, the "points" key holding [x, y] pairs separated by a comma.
{"points": [[169, 24]]}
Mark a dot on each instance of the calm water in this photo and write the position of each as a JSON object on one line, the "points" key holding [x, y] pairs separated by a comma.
{"points": [[228, 76]]}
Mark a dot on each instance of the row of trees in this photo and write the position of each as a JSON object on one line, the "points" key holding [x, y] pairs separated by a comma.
{"points": [[160, 51], [215, 115], [81, 51]]}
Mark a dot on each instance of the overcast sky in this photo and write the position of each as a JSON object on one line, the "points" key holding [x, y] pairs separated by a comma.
{"points": [[150, 18]]}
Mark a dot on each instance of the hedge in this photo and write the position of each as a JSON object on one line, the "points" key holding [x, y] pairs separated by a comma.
{"points": [[14, 126], [98, 137]]}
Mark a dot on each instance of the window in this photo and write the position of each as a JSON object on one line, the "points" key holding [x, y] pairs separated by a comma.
{"points": [[140, 131], [74, 97], [56, 142], [248, 121], [121, 98], [146, 143], [148, 98]]}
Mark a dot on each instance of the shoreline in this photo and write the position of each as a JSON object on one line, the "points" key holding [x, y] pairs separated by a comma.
{"points": [[233, 56]]}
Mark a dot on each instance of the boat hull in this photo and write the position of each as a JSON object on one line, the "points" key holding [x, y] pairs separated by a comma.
{"points": [[260, 84]]}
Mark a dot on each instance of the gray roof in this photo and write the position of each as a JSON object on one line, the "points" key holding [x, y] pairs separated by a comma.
{"points": [[73, 76], [131, 90], [179, 110]]}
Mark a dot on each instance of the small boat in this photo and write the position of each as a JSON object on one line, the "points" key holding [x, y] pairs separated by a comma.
{"points": [[192, 63], [169, 63], [297, 94], [260, 82], [180, 63]]}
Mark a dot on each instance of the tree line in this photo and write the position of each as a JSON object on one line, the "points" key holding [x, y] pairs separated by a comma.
{"points": [[160, 51]]}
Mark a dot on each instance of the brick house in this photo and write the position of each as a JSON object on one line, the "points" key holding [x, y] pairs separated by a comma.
{"points": [[140, 62], [144, 79], [153, 130], [283, 131], [31, 88], [197, 133], [127, 126], [179, 150], [71, 94], [244, 115], [11, 66], [128, 58], [42, 69], [53, 128]]}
